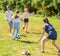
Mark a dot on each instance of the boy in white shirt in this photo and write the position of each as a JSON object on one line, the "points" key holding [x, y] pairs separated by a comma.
{"points": [[8, 15]]}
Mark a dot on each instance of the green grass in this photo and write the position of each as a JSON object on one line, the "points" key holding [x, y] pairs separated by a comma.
{"points": [[9, 47]]}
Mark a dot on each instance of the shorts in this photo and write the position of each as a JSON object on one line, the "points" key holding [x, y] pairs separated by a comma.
{"points": [[52, 35], [26, 20], [10, 23]]}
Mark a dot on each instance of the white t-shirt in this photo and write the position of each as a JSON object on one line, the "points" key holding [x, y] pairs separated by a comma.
{"points": [[8, 15], [26, 14], [17, 19]]}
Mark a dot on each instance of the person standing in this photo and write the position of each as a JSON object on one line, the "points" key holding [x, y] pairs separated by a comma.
{"points": [[26, 19], [8, 15], [16, 25], [51, 35]]}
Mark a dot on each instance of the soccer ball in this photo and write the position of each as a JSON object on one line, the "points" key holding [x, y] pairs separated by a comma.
{"points": [[18, 36], [25, 52]]}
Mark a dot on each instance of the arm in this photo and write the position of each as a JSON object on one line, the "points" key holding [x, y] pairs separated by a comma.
{"points": [[12, 18], [21, 18], [43, 31]]}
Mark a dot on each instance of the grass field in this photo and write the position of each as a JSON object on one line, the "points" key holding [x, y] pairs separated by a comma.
{"points": [[9, 47]]}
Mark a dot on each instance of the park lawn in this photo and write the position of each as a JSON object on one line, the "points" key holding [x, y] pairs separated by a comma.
{"points": [[28, 41]]}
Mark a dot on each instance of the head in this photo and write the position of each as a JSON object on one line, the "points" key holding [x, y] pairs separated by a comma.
{"points": [[25, 9], [17, 11], [8, 8], [45, 20], [16, 15]]}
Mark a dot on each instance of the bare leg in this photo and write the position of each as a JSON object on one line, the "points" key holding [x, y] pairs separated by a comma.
{"points": [[26, 27], [10, 29], [53, 42], [43, 43]]}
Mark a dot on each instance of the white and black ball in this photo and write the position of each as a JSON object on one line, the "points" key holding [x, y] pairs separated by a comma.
{"points": [[25, 52]]}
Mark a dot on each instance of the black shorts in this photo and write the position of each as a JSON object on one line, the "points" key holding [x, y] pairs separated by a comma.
{"points": [[26, 20], [10, 23], [52, 36]]}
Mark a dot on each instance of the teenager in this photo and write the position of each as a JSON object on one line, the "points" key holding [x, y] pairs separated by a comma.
{"points": [[51, 35]]}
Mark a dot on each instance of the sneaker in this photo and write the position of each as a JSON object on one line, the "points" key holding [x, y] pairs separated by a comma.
{"points": [[13, 39], [42, 51], [23, 27]]}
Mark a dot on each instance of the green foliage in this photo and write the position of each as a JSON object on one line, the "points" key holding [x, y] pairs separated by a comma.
{"points": [[40, 5]]}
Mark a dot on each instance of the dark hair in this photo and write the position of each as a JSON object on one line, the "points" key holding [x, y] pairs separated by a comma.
{"points": [[16, 16], [17, 11], [46, 20]]}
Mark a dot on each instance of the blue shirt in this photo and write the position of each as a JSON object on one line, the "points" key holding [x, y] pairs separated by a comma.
{"points": [[49, 28]]}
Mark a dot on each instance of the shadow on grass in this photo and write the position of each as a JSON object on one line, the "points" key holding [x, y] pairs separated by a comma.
{"points": [[23, 35], [34, 33], [28, 42], [53, 53], [28, 54]]}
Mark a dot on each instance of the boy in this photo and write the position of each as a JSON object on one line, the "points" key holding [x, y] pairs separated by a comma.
{"points": [[8, 15]]}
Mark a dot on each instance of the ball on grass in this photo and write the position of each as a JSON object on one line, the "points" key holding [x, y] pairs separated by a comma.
{"points": [[25, 52], [19, 36]]}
